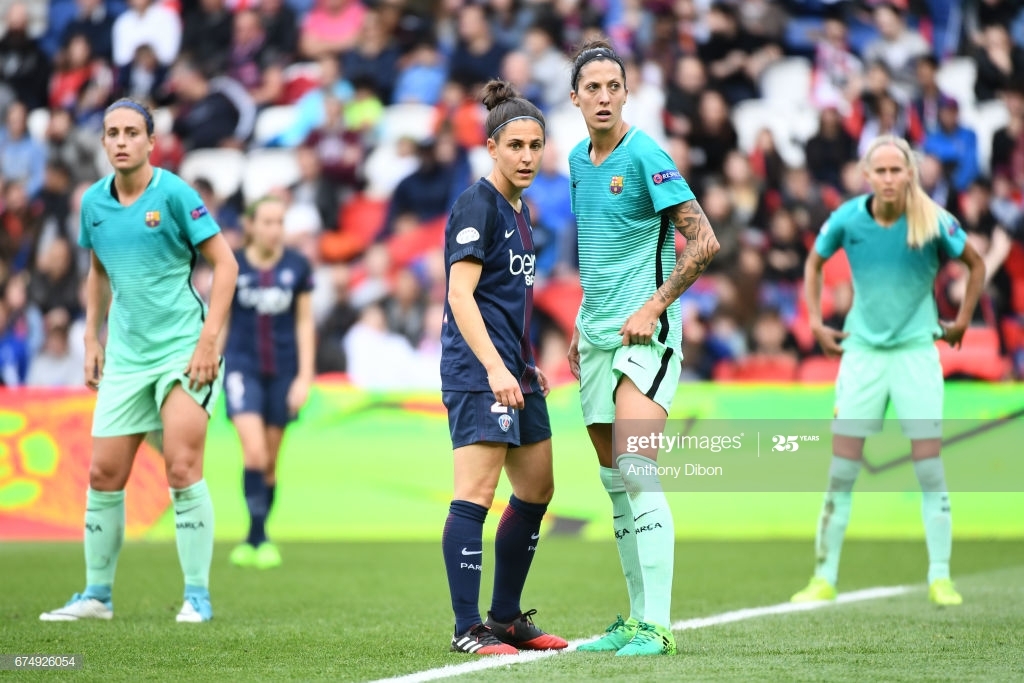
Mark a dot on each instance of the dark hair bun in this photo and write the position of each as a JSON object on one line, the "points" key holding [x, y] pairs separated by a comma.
{"points": [[496, 92]]}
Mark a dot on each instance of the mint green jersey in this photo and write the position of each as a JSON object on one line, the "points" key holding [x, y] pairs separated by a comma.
{"points": [[893, 285], [626, 244], [149, 252]]}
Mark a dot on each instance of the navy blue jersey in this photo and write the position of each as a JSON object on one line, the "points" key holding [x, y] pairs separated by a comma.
{"points": [[483, 225], [262, 335]]}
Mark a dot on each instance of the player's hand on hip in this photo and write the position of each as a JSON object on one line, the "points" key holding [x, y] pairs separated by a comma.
{"points": [[953, 333], [829, 338], [639, 329], [204, 366], [94, 360], [506, 388], [298, 392]]}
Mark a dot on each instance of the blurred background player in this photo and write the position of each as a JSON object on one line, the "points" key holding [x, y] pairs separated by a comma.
{"points": [[494, 393], [626, 348], [894, 238], [160, 369], [269, 363]]}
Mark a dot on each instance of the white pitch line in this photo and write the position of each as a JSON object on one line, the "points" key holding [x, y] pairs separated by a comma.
{"points": [[496, 661]]}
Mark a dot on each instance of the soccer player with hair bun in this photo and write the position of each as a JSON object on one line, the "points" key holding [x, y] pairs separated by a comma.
{"points": [[491, 386]]}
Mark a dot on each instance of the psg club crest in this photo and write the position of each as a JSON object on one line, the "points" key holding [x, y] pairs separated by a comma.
{"points": [[505, 422], [152, 219], [616, 184]]}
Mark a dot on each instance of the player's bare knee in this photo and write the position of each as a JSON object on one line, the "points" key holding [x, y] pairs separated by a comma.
{"points": [[183, 471], [107, 476]]}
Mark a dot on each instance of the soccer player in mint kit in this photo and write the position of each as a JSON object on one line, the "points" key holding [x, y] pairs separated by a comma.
{"points": [[491, 386], [894, 238], [160, 368], [626, 350], [268, 364]]}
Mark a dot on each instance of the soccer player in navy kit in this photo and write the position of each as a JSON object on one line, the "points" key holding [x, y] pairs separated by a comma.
{"points": [[269, 363], [494, 393], [160, 366]]}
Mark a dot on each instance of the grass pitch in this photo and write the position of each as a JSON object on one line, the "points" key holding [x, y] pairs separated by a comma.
{"points": [[361, 611]]}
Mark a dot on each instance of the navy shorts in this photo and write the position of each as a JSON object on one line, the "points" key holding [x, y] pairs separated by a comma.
{"points": [[474, 416], [264, 395]]}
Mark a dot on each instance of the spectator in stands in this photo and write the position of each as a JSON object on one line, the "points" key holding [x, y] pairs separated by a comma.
{"points": [[765, 161], [374, 59], [689, 80], [314, 189], [770, 339], [925, 106], [72, 68], [207, 33], [429, 191], [713, 135], [95, 22], [205, 117], [734, 57], [460, 110], [330, 352], [310, 108], [24, 320], [379, 359], [54, 280], [55, 364], [784, 263], [254, 63], [405, 307], [1008, 142], [1000, 63], [340, 153], [898, 47], [15, 355], [24, 67], [549, 66], [144, 78], [227, 215], [22, 158], [280, 26], [729, 227], [837, 71], [830, 148], [937, 184], [55, 200], [885, 117], [645, 105], [745, 188], [808, 202], [146, 22], [332, 27], [517, 70], [554, 226], [954, 145], [477, 55], [421, 76]]}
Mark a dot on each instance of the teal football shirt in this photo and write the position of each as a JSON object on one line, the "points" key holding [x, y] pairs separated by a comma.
{"points": [[626, 245], [893, 285], [149, 252]]}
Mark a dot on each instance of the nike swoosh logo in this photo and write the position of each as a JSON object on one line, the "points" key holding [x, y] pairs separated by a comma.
{"points": [[642, 514], [509, 233], [184, 512], [95, 223], [618, 516], [472, 552], [630, 360], [535, 537]]}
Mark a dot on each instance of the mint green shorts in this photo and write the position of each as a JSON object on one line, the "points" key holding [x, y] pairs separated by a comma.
{"points": [[654, 369], [869, 379], [129, 403]]}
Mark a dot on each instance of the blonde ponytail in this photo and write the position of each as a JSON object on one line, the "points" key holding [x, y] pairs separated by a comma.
{"points": [[923, 214]]}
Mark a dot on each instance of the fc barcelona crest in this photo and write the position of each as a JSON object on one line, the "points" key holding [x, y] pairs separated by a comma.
{"points": [[152, 219], [616, 184]]}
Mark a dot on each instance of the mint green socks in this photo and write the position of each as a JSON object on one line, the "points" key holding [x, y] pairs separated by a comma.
{"points": [[104, 536], [193, 523], [654, 533], [936, 515], [835, 516], [625, 539]]}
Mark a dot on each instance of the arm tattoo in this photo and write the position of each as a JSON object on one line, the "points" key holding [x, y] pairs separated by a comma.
{"points": [[701, 246]]}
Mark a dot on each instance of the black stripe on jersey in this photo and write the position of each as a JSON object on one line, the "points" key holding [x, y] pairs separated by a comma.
{"points": [[658, 378], [191, 272], [660, 274]]}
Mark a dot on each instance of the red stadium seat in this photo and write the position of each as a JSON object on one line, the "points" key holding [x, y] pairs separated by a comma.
{"points": [[359, 222], [978, 357], [757, 369], [818, 369]]}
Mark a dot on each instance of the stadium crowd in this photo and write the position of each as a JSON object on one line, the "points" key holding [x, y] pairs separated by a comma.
{"points": [[363, 117]]}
